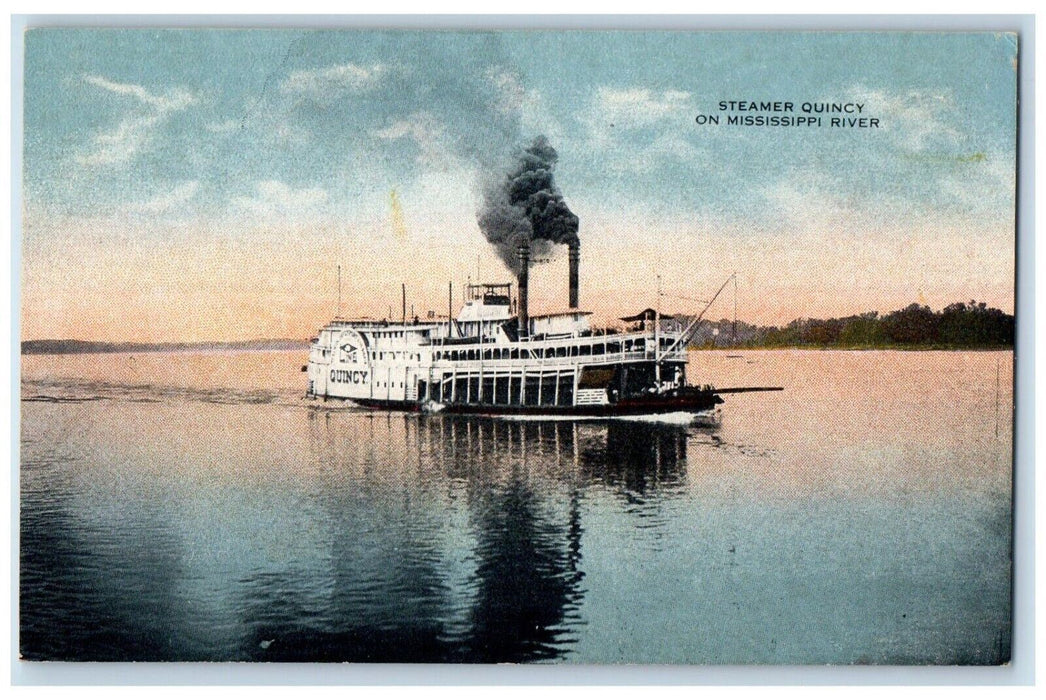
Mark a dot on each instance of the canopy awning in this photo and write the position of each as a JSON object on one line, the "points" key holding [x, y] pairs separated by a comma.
{"points": [[646, 315]]}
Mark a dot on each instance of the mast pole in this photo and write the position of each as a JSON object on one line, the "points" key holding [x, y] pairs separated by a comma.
{"points": [[404, 287], [657, 336], [733, 339]]}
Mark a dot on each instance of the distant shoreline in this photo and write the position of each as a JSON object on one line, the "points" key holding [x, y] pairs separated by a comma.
{"points": [[90, 347]]}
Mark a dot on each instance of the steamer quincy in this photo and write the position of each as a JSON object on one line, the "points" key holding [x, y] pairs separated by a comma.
{"points": [[493, 357]]}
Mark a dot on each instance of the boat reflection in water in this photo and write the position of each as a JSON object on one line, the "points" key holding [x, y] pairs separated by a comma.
{"points": [[454, 539]]}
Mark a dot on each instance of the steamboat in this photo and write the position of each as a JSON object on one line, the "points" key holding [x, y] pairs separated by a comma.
{"points": [[494, 358]]}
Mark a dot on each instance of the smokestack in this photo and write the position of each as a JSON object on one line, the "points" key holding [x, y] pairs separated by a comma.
{"points": [[574, 255], [524, 273]]}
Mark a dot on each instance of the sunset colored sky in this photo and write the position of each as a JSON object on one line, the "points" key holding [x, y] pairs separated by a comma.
{"points": [[205, 184]]}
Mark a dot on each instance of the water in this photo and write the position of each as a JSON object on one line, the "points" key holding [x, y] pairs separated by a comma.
{"points": [[193, 506]]}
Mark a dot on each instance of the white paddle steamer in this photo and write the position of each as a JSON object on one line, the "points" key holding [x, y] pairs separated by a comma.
{"points": [[493, 358]]}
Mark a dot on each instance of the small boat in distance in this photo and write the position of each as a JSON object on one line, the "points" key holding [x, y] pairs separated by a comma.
{"points": [[494, 358]]}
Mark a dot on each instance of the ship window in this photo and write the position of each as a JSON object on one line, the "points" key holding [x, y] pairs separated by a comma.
{"points": [[561, 352], [530, 388], [573, 351], [598, 349], [548, 390], [513, 354], [566, 391], [501, 394], [586, 349], [488, 355], [488, 390], [595, 377]]}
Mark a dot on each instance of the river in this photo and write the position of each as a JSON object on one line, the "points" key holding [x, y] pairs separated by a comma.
{"points": [[194, 506]]}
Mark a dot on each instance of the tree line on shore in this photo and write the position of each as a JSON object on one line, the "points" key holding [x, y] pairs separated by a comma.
{"points": [[961, 325]]}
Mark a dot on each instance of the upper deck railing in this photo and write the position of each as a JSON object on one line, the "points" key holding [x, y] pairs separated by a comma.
{"points": [[615, 347], [596, 347], [419, 324]]}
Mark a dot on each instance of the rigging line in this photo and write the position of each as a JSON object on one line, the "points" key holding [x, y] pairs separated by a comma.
{"points": [[688, 333], [680, 296]]}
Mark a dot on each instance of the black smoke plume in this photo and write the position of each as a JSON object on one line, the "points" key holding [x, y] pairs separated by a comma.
{"points": [[526, 207]]}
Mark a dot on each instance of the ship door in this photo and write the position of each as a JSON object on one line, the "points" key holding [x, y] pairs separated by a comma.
{"points": [[410, 385], [319, 380]]}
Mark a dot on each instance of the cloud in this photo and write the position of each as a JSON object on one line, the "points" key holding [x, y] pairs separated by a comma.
{"points": [[508, 89], [274, 198], [285, 132], [175, 100], [121, 144], [435, 150], [918, 120], [805, 200], [639, 130], [223, 127], [321, 82], [135, 130], [640, 107], [163, 203]]}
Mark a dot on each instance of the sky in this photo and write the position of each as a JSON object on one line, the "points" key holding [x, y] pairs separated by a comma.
{"points": [[190, 185]]}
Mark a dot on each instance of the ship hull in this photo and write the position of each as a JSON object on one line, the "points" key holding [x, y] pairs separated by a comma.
{"points": [[691, 402]]}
